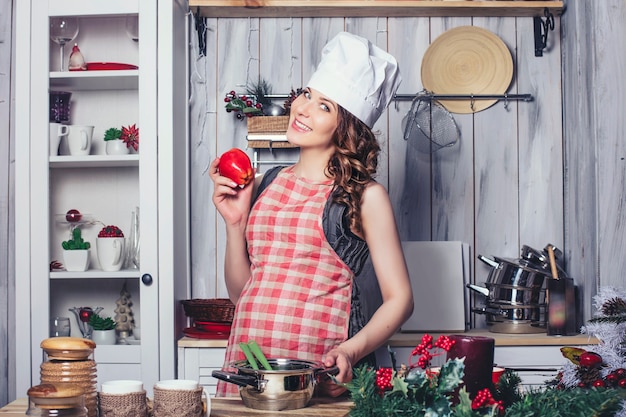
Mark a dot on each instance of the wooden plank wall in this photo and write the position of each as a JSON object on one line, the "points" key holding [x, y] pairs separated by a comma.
{"points": [[594, 97], [499, 188], [7, 285]]}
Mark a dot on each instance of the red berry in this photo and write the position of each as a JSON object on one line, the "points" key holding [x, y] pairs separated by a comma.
{"points": [[598, 383], [590, 360], [582, 385], [620, 372], [622, 383], [611, 379], [232, 93]]}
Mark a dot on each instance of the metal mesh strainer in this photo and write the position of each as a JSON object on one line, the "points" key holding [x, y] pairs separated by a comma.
{"points": [[428, 119]]}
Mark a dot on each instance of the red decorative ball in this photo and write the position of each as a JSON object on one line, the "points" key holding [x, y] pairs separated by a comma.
{"points": [[622, 383], [590, 360], [73, 216]]}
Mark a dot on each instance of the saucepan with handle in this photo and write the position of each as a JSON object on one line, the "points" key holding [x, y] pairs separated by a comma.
{"points": [[288, 386]]}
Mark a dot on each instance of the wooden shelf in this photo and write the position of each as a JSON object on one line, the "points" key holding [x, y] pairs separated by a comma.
{"points": [[371, 8], [95, 80], [94, 161], [93, 7]]}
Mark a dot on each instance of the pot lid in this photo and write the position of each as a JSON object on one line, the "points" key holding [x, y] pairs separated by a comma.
{"points": [[467, 60]]}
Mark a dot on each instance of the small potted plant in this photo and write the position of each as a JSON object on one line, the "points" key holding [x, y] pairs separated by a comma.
{"points": [[103, 329], [76, 252], [113, 141], [120, 141], [110, 248]]}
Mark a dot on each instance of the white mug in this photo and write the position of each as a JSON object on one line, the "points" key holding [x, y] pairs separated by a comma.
{"points": [[79, 139], [122, 386], [110, 252], [57, 131], [181, 385], [178, 384]]}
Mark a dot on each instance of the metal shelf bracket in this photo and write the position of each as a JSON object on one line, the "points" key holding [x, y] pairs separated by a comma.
{"points": [[541, 31]]}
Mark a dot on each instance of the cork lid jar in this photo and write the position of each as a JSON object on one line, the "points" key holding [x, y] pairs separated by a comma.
{"points": [[62, 400], [68, 348]]}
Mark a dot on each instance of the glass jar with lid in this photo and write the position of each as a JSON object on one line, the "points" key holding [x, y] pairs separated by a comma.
{"points": [[56, 400]]}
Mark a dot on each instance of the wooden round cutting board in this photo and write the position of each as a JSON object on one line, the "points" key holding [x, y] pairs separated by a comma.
{"points": [[467, 60]]}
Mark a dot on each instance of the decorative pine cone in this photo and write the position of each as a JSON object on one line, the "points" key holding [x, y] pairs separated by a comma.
{"points": [[614, 306], [588, 376]]}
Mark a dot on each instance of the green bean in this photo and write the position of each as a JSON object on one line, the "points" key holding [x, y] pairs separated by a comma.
{"points": [[254, 347], [249, 356]]}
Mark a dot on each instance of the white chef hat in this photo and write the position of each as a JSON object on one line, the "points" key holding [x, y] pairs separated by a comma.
{"points": [[357, 75]]}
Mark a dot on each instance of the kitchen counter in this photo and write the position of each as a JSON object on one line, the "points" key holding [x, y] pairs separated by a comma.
{"points": [[414, 339], [233, 407]]}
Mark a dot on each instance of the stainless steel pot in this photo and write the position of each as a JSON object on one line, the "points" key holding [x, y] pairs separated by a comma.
{"points": [[288, 386], [515, 291], [519, 273]]}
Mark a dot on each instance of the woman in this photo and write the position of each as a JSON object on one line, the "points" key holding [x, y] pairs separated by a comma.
{"points": [[291, 286]]}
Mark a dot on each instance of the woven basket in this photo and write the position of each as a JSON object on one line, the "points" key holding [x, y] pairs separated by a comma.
{"points": [[209, 309], [268, 124]]}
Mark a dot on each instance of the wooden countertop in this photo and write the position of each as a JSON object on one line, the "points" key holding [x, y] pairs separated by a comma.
{"points": [[318, 407], [233, 407], [16, 408], [414, 339]]}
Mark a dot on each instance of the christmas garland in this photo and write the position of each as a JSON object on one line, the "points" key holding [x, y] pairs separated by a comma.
{"points": [[591, 383]]}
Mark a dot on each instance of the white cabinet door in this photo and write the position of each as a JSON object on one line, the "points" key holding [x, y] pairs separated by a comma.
{"points": [[106, 188]]}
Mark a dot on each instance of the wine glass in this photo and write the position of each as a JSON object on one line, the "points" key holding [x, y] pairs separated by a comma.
{"points": [[63, 30], [132, 28]]}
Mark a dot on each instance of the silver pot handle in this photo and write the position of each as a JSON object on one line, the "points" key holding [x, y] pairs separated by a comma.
{"points": [[488, 261], [482, 290], [241, 380], [324, 373]]}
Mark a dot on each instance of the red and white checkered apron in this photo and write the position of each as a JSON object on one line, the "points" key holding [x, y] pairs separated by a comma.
{"points": [[297, 301]]}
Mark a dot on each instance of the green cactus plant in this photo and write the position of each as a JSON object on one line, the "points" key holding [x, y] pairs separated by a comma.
{"points": [[98, 322], [77, 242]]}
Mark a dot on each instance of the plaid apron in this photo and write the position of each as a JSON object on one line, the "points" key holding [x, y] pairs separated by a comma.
{"points": [[297, 301]]}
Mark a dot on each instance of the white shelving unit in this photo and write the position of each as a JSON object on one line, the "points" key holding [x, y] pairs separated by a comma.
{"points": [[108, 188]]}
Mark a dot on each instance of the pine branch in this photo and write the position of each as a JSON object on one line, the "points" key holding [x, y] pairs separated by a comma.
{"points": [[617, 319]]}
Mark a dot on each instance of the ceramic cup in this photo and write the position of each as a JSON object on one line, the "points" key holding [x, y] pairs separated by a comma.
{"points": [[175, 396], [177, 384], [79, 139], [121, 386], [122, 398], [57, 132], [110, 252]]}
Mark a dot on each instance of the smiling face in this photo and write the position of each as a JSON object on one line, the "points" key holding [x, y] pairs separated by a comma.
{"points": [[313, 120]]}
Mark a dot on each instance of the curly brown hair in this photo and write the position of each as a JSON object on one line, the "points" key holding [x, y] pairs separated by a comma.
{"points": [[353, 165]]}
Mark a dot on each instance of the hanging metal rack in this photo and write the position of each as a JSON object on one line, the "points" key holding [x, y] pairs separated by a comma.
{"points": [[433, 96]]}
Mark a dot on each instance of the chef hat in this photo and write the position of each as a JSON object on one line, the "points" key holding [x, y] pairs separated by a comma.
{"points": [[357, 75]]}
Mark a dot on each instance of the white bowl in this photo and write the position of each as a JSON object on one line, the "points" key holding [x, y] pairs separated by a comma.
{"points": [[122, 386]]}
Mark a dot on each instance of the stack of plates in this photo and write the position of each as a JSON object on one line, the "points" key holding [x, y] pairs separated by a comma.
{"points": [[208, 330]]}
